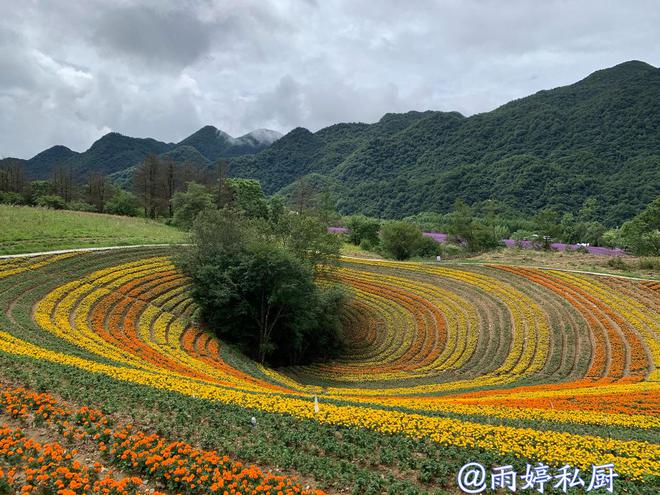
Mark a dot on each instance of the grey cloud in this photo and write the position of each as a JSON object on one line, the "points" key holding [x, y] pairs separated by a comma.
{"points": [[71, 71], [152, 35]]}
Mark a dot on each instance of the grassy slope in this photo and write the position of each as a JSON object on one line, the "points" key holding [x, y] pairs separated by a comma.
{"points": [[26, 229], [570, 261]]}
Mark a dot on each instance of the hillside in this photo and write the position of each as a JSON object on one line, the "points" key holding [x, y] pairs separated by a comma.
{"points": [[26, 229], [599, 137], [116, 155]]}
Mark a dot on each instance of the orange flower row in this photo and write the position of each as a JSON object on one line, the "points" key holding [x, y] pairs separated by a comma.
{"points": [[49, 468], [177, 465]]}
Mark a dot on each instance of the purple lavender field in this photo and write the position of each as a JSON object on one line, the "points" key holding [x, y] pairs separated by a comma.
{"points": [[558, 246]]}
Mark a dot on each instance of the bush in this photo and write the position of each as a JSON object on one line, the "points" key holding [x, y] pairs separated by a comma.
{"points": [[642, 233], [367, 245], [123, 203], [80, 206], [428, 247], [187, 205], [12, 198], [51, 201], [450, 250], [361, 228], [400, 240], [649, 264], [617, 262]]}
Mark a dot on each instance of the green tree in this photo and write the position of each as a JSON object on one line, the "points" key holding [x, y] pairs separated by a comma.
{"points": [[309, 240], [123, 203], [247, 196], [642, 234], [52, 201], [547, 226], [188, 204], [361, 228], [40, 188], [258, 291], [461, 222], [400, 240]]}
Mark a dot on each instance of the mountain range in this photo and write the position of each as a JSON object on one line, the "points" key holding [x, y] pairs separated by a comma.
{"points": [[115, 153], [599, 137]]}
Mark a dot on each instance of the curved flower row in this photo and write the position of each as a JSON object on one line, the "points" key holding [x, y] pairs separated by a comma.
{"points": [[633, 458], [476, 344], [176, 465], [36, 467]]}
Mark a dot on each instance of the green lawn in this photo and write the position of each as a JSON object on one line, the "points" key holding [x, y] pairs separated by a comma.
{"points": [[24, 229]]}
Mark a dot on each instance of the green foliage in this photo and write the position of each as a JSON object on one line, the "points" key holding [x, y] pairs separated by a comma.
{"points": [[429, 221], [649, 263], [596, 138], [308, 239], [400, 240], [12, 198], [474, 233], [428, 247], [40, 188], [642, 233], [80, 206], [248, 197], [612, 238], [361, 228], [254, 283], [123, 203], [450, 250], [52, 201], [617, 262], [547, 226], [188, 204]]}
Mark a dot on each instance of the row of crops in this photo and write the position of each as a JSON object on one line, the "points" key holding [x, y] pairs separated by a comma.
{"points": [[445, 365]]}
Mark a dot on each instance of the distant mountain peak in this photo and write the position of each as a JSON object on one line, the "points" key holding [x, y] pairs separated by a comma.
{"points": [[214, 143], [263, 136]]}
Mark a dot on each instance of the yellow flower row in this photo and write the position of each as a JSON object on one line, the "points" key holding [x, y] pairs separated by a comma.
{"points": [[632, 458]]}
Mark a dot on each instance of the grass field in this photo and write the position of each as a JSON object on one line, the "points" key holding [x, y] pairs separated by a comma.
{"points": [[446, 364], [26, 229]]}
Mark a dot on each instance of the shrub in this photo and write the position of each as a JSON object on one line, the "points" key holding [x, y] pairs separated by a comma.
{"points": [[52, 201], [123, 203], [450, 250], [428, 247], [649, 263], [188, 204], [12, 198], [80, 206], [367, 245], [617, 262], [362, 228], [400, 240]]}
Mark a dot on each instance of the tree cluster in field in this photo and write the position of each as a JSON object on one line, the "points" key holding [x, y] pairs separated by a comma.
{"points": [[262, 273]]}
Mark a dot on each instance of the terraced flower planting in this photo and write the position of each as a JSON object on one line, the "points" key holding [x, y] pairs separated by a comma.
{"points": [[444, 365]]}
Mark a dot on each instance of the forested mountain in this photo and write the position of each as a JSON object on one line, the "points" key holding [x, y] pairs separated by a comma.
{"points": [[599, 137], [116, 155], [213, 143]]}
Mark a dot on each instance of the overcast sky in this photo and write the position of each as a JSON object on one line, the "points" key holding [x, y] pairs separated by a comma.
{"points": [[71, 71]]}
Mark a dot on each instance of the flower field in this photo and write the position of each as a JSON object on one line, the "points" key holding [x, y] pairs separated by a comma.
{"points": [[445, 364]]}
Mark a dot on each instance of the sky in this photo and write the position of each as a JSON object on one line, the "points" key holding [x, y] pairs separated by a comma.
{"points": [[72, 71]]}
